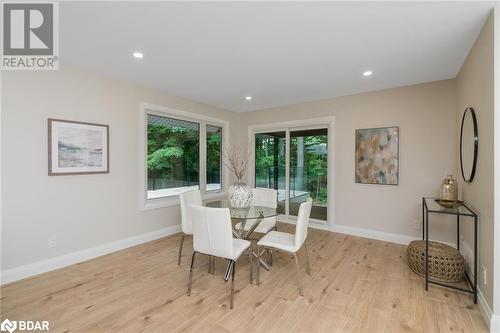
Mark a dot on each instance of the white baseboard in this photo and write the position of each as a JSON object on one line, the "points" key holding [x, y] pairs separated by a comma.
{"points": [[373, 234], [492, 320], [25, 271], [312, 224], [494, 323], [360, 232], [484, 308]]}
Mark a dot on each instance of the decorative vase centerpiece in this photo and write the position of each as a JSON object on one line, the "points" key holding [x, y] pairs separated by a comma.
{"points": [[449, 189], [239, 193], [448, 193]]}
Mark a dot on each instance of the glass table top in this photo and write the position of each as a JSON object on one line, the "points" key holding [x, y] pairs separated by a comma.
{"points": [[434, 207], [251, 212]]}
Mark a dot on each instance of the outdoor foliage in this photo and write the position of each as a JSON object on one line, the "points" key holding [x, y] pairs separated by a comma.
{"points": [[270, 164], [270, 161], [173, 156], [214, 151], [314, 171]]}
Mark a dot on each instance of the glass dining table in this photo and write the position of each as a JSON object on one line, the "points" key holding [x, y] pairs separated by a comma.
{"points": [[249, 219]]}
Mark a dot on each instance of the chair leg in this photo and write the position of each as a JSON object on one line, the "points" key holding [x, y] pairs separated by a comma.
{"points": [[211, 265], [191, 274], [270, 257], [308, 267], [232, 285], [180, 250], [258, 266], [301, 287], [251, 264]]}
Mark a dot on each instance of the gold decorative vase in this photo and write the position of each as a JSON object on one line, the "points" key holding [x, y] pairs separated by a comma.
{"points": [[449, 189]]}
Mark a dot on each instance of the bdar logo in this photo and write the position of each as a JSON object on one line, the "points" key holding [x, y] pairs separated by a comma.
{"points": [[23, 325], [8, 326]]}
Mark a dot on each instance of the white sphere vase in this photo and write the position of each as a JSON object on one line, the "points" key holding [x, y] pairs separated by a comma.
{"points": [[240, 195]]}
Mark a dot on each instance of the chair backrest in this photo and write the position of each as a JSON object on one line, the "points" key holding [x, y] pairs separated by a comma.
{"points": [[302, 223], [186, 200], [267, 197], [212, 231]]}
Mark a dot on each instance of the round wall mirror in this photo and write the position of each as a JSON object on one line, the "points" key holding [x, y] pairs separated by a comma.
{"points": [[468, 144]]}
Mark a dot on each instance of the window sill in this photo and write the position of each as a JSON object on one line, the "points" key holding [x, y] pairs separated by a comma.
{"points": [[214, 195], [173, 200]]}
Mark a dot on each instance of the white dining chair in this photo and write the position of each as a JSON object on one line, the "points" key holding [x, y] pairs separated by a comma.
{"points": [[213, 236], [186, 200], [289, 243], [266, 197]]}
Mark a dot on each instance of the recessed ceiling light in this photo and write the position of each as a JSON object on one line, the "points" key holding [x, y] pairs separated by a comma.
{"points": [[248, 98], [138, 55], [367, 73]]}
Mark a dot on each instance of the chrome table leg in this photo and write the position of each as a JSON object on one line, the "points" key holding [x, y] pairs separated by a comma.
{"points": [[251, 264], [245, 235], [258, 266], [262, 261]]}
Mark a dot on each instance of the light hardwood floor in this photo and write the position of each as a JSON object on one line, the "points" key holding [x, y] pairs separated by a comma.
{"points": [[356, 285]]}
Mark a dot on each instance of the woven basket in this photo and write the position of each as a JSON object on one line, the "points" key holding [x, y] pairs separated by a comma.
{"points": [[446, 264]]}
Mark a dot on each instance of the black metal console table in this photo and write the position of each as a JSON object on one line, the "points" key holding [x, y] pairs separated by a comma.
{"points": [[429, 205]]}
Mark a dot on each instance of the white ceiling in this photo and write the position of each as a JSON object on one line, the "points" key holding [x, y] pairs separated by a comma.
{"points": [[278, 52]]}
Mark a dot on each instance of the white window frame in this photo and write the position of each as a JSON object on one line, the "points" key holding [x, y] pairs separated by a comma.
{"points": [[327, 122], [203, 121]]}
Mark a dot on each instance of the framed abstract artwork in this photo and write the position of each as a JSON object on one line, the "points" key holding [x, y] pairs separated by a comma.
{"points": [[377, 156], [77, 148]]}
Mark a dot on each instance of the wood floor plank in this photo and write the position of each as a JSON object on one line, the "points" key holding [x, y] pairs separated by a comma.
{"points": [[356, 285]]}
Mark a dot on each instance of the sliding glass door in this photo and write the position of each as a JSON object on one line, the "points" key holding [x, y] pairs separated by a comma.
{"points": [[270, 164], [294, 162], [308, 171]]}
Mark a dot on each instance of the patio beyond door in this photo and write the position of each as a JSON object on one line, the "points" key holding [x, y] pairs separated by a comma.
{"points": [[295, 163], [270, 164]]}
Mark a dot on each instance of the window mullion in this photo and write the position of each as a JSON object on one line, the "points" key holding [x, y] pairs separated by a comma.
{"points": [[203, 157], [287, 173]]}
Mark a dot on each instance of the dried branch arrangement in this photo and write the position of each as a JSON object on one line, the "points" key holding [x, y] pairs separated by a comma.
{"points": [[236, 160]]}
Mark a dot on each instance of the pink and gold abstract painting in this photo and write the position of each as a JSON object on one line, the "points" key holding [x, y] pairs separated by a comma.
{"points": [[377, 156]]}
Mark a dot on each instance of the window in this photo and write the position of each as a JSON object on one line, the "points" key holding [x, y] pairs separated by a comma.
{"points": [[173, 156], [214, 158], [182, 151]]}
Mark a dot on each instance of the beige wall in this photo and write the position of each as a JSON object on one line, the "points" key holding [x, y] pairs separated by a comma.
{"points": [[475, 89], [426, 116], [82, 211]]}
